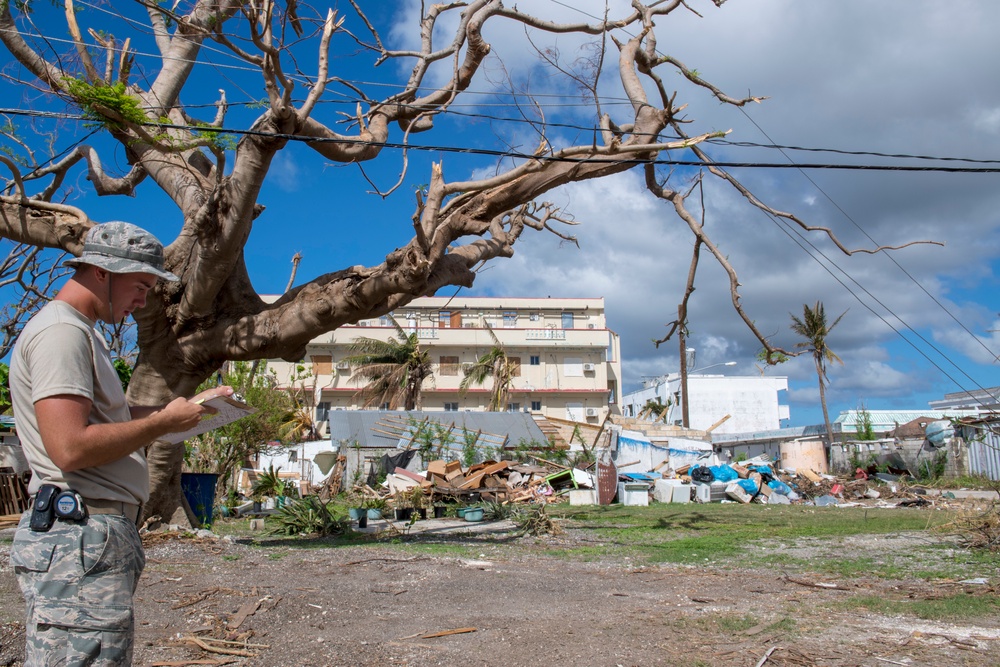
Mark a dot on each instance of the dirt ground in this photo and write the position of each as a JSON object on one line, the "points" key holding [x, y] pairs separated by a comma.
{"points": [[511, 604]]}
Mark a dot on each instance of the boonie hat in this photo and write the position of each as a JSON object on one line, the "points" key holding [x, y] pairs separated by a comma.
{"points": [[121, 247]]}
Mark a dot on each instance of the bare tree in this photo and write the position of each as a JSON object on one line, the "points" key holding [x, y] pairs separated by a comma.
{"points": [[188, 329]]}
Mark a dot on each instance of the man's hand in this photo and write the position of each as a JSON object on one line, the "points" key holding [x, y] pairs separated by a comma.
{"points": [[181, 414], [209, 394]]}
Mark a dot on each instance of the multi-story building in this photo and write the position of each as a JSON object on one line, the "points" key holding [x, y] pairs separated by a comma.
{"points": [[567, 361]]}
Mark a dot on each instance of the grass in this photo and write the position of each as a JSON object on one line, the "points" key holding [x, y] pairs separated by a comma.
{"points": [[948, 608], [792, 538], [690, 534]]}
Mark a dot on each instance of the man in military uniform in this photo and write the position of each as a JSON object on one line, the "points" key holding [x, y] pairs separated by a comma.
{"points": [[77, 553]]}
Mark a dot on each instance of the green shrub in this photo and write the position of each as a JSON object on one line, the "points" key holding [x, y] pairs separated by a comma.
{"points": [[497, 511], [310, 516]]}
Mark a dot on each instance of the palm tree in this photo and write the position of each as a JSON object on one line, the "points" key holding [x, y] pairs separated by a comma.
{"points": [[493, 364], [656, 408], [395, 369], [814, 329]]}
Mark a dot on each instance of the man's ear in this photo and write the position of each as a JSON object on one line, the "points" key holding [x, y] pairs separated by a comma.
{"points": [[100, 274]]}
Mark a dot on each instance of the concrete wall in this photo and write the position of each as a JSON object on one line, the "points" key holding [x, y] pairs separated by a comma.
{"points": [[911, 452]]}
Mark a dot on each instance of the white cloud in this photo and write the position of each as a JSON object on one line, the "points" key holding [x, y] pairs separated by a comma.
{"points": [[899, 76]]}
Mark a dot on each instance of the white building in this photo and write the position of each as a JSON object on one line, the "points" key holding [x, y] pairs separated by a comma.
{"points": [[981, 400], [746, 403], [568, 362]]}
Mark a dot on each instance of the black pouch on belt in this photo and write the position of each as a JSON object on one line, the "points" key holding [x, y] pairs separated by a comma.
{"points": [[43, 508]]}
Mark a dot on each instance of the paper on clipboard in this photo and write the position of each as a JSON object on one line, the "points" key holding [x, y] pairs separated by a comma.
{"points": [[229, 410]]}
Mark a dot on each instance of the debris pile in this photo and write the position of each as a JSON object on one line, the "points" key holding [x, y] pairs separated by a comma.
{"points": [[543, 481], [496, 481]]}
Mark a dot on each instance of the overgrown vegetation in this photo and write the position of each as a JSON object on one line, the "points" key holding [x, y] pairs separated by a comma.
{"points": [[498, 511], [310, 516], [933, 468]]}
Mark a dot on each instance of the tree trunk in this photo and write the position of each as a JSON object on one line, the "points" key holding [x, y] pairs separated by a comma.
{"points": [[165, 463], [822, 400]]}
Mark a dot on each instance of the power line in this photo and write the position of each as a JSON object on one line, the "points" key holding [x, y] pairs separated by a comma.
{"points": [[602, 159]]}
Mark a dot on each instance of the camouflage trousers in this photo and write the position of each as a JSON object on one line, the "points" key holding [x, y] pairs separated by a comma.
{"points": [[77, 580]]}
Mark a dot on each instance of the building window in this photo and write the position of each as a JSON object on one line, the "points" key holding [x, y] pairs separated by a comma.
{"points": [[534, 317], [535, 360], [513, 407], [536, 406], [444, 319], [509, 319], [451, 407], [384, 321], [293, 456], [322, 411], [567, 320], [449, 365]]}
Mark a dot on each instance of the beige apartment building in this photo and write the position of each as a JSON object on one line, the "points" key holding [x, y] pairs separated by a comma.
{"points": [[568, 360]]}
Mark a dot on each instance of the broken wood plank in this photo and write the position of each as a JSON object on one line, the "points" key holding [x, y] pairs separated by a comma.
{"points": [[810, 475], [717, 424], [815, 584], [249, 609], [445, 633]]}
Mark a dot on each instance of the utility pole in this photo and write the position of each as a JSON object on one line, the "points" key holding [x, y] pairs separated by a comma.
{"points": [[685, 422]]}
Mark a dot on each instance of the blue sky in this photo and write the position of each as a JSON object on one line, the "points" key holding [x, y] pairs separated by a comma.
{"points": [[912, 77]]}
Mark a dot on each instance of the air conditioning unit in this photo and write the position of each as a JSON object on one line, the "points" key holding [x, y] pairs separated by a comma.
{"points": [[588, 368], [591, 325], [591, 412], [343, 366]]}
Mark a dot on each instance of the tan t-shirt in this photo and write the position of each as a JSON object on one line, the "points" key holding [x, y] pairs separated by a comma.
{"points": [[60, 353]]}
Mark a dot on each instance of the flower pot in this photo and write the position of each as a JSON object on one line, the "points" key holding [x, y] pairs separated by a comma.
{"points": [[474, 514], [422, 512], [363, 520], [374, 514], [199, 491], [440, 511], [403, 513], [356, 513]]}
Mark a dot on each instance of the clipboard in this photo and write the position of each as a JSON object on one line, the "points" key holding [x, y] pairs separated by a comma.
{"points": [[229, 410]]}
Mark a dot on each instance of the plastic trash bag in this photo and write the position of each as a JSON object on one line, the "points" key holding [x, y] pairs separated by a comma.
{"points": [[724, 473], [701, 474], [779, 487]]}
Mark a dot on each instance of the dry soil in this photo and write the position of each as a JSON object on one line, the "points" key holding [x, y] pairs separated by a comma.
{"points": [[220, 601]]}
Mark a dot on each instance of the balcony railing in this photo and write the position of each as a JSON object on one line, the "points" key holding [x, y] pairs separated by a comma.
{"points": [[545, 334]]}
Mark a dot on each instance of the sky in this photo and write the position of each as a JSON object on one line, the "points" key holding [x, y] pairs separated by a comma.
{"points": [[895, 77]]}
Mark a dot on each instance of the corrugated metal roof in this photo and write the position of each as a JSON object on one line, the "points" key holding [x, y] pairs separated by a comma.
{"points": [[885, 420], [348, 426]]}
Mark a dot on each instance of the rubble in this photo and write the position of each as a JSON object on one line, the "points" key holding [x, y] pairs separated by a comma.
{"points": [[756, 481]]}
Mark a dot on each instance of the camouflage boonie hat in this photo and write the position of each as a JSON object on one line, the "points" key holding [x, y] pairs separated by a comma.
{"points": [[121, 247]]}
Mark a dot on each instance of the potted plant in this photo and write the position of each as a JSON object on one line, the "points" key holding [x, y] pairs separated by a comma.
{"points": [[355, 506], [402, 510], [418, 501], [268, 485], [374, 507]]}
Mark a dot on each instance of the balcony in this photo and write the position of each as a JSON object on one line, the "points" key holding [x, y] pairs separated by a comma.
{"points": [[479, 337]]}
